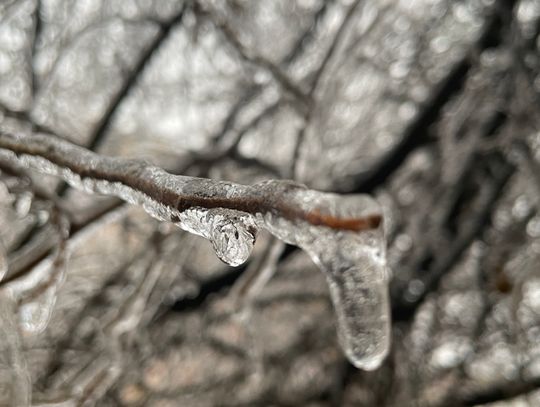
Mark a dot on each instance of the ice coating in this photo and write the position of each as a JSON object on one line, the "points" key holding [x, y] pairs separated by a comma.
{"points": [[342, 234]]}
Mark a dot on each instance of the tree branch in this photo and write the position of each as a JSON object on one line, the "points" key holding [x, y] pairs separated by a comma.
{"points": [[327, 226], [140, 183]]}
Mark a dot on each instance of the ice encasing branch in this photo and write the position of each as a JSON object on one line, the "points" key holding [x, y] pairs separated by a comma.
{"points": [[343, 234]]}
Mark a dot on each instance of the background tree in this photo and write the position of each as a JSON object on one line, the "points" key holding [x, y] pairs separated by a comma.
{"points": [[429, 105]]}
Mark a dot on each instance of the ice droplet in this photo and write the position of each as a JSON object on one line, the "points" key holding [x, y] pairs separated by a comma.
{"points": [[232, 236], [232, 233]]}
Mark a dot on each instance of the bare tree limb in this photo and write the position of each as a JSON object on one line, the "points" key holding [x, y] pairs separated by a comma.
{"points": [[176, 193]]}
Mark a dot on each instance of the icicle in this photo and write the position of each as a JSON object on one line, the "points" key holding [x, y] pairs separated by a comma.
{"points": [[363, 313], [354, 264]]}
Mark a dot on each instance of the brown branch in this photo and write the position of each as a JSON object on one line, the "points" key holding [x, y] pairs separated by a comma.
{"points": [[140, 183]]}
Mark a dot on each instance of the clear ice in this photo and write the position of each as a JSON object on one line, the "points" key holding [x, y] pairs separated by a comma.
{"points": [[355, 266], [232, 233], [354, 262]]}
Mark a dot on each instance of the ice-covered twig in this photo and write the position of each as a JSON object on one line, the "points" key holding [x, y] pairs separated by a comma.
{"points": [[342, 234], [172, 197]]}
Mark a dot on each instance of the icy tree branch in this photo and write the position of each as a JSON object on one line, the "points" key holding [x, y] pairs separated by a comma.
{"points": [[175, 193], [342, 234]]}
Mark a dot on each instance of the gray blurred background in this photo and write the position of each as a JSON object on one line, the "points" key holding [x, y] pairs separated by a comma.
{"points": [[432, 106]]}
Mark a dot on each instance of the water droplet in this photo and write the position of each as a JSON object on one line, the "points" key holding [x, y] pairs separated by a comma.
{"points": [[440, 44], [399, 70], [407, 110], [415, 289], [521, 208], [533, 227], [232, 235], [403, 242]]}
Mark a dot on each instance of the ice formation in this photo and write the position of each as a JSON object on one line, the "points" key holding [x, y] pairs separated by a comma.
{"points": [[342, 234], [354, 263]]}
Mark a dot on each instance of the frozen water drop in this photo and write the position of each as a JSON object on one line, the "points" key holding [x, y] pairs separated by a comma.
{"points": [[232, 235]]}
